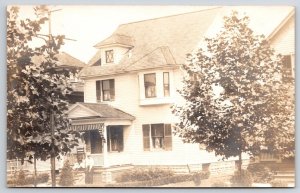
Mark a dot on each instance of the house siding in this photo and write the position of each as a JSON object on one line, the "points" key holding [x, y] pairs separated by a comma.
{"points": [[127, 98], [284, 41]]}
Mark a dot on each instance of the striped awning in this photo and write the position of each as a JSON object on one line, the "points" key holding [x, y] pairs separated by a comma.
{"points": [[88, 127]]}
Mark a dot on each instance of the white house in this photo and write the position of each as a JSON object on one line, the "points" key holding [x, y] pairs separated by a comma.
{"points": [[131, 82]]}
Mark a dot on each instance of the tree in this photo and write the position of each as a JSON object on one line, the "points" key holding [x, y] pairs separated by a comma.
{"points": [[236, 100], [36, 92]]}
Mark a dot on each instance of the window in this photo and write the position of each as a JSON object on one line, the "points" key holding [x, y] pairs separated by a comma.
{"points": [[166, 84], [114, 138], [150, 84], [109, 55], [160, 138], [287, 72], [108, 89], [98, 90]]}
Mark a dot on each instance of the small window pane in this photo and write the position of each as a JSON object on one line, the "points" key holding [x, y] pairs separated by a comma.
{"points": [[166, 84], [98, 90], [109, 54]]}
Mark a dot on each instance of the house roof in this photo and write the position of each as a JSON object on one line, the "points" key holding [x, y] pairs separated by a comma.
{"points": [[64, 60], [105, 111], [165, 41], [116, 39], [168, 38]]}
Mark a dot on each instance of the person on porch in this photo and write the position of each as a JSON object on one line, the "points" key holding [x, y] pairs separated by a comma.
{"points": [[89, 169]]}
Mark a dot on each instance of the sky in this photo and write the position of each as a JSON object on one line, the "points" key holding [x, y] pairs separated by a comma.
{"points": [[89, 25]]}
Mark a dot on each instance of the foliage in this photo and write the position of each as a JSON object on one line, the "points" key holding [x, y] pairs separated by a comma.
{"points": [[261, 173], [140, 174], [36, 90], [241, 179], [198, 176], [66, 176], [236, 100]]}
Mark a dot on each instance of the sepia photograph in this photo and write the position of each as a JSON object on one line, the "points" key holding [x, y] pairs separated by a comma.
{"points": [[160, 96]]}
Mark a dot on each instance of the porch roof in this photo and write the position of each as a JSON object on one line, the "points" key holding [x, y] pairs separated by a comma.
{"points": [[99, 110]]}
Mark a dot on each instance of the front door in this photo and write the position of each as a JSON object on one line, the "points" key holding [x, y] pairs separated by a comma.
{"points": [[115, 139]]}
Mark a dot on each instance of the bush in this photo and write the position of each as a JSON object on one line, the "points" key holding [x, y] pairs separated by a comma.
{"points": [[22, 180], [144, 174], [260, 173], [241, 180], [66, 176], [278, 183], [155, 182], [166, 177]]}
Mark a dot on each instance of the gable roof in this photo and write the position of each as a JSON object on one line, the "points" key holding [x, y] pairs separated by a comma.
{"points": [[116, 39], [104, 111], [167, 40], [64, 60], [174, 36]]}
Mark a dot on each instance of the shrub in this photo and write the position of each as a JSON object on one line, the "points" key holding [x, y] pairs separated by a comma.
{"points": [[241, 180], [260, 173], [155, 182], [22, 180], [144, 174], [66, 176], [279, 183]]}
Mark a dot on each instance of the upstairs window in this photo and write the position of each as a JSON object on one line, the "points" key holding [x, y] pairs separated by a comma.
{"points": [[159, 135], [108, 89], [105, 90], [166, 83], [287, 73], [109, 55], [150, 85]]}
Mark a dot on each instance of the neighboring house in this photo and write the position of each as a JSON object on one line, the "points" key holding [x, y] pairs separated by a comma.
{"points": [[68, 62], [74, 65], [131, 82]]}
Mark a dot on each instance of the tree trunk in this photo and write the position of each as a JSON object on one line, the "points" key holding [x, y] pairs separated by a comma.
{"points": [[35, 171], [52, 151], [240, 164]]}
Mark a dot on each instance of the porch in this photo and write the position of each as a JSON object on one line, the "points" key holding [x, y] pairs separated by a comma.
{"points": [[104, 131]]}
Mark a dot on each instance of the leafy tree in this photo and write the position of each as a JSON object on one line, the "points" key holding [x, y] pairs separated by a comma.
{"points": [[236, 100], [36, 91]]}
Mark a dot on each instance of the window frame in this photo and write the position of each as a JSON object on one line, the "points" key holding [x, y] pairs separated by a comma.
{"points": [[150, 138], [109, 56], [110, 137], [146, 86], [166, 86], [102, 94]]}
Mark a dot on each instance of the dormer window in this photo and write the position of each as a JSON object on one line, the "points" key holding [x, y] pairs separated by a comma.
{"points": [[109, 55]]}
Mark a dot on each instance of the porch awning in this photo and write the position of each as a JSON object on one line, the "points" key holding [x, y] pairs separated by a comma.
{"points": [[87, 127]]}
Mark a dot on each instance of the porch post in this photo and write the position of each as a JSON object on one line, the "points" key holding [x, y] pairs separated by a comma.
{"points": [[105, 159], [106, 175]]}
